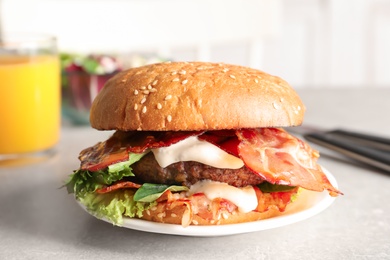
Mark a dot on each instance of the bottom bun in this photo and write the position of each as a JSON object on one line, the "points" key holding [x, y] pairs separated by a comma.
{"points": [[179, 215]]}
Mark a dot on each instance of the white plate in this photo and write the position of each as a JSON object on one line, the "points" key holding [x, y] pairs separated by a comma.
{"points": [[308, 204]]}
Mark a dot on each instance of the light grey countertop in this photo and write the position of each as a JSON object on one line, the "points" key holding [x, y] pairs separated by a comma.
{"points": [[39, 220]]}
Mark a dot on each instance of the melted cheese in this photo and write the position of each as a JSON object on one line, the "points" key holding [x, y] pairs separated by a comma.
{"points": [[244, 198], [193, 149]]}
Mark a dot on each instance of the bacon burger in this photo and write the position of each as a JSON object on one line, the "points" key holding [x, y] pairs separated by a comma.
{"points": [[196, 144]]}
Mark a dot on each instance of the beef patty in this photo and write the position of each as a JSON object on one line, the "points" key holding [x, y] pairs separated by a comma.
{"points": [[186, 173]]}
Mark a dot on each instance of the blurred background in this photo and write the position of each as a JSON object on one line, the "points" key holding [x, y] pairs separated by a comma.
{"points": [[309, 43], [315, 45]]}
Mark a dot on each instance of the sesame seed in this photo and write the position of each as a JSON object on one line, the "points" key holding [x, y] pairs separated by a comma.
{"points": [[161, 215], [123, 80], [146, 92], [195, 222], [155, 82], [225, 215], [169, 118], [173, 215], [135, 92], [176, 79], [276, 106], [154, 208], [149, 87], [256, 80], [143, 100], [299, 108], [225, 70], [148, 212], [174, 73], [232, 76], [159, 106], [144, 109], [184, 82], [135, 106], [281, 99], [142, 88], [168, 97], [152, 90], [182, 72]]}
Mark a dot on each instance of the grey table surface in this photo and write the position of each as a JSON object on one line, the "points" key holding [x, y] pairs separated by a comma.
{"points": [[39, 220]]}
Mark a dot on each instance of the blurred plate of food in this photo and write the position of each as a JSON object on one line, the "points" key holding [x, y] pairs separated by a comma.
{"points": [[83, 76]]}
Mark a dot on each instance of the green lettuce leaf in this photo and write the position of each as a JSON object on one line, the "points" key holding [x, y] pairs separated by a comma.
{"points": [[82, 182], [114, 205], [124, 167], [151, 192]]}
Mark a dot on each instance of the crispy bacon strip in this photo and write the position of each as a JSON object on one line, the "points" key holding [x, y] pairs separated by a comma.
{"points": [[118, 185], [224, 139], [280, 158], [117, 147]]}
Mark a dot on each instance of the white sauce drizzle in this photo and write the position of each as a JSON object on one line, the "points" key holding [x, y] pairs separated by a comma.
{"points": [[244, 198], [193, 149]]}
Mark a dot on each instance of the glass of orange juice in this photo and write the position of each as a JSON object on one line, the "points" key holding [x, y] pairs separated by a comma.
{"points": [[29, 95]]}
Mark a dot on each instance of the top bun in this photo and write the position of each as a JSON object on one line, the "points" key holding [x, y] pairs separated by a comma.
{"points": [[178, 96]]}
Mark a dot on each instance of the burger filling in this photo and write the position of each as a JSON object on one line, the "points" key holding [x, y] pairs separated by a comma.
{"points": [[209, 174]]}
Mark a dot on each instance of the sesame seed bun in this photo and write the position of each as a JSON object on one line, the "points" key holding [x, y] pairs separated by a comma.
{"points": [[178, 96]]}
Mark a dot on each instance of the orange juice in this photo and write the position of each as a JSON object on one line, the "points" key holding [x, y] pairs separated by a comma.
{"points": [[29, 103]]}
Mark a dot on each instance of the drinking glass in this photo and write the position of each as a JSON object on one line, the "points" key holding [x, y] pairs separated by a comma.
{"points": [[29, 96]]}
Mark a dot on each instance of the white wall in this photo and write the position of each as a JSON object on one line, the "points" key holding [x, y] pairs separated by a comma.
{"points": [[334, 43], [310, 43]]}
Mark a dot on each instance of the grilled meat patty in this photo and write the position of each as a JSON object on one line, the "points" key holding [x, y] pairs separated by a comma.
{"points": [[186, 173]]}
